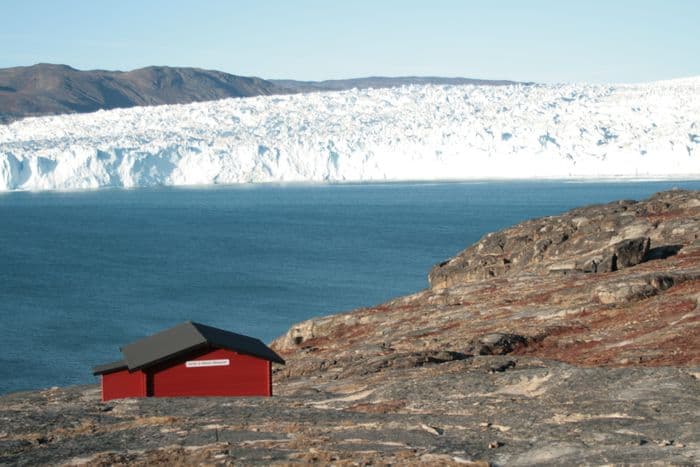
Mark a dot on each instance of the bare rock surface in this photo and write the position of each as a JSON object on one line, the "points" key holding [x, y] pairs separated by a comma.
{"points": [[637, 306], [594, 239], [490, 409], [565, 340]]}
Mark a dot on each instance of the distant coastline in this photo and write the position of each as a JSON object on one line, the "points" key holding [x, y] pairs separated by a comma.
{"points": [[350, 183]]}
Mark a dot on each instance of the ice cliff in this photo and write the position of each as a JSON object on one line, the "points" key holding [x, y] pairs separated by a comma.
{"points": [[408, 133]]}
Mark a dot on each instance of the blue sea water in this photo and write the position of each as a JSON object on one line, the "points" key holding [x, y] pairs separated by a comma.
{"points": [[83, 273]]}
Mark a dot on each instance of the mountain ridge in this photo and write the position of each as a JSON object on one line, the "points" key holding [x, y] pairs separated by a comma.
{"points": [[54, 89]]}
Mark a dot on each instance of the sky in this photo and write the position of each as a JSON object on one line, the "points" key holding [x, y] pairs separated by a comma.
{"points": [[534, 40]]}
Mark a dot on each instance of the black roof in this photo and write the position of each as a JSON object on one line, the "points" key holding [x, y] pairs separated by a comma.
{"points": [[182, 339], [109, 367]]}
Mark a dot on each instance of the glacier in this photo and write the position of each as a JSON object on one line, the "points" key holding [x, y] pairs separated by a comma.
{"points": [[430, 132]]}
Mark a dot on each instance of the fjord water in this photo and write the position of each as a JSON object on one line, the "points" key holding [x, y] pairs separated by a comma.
{"points": [[83, 273]]}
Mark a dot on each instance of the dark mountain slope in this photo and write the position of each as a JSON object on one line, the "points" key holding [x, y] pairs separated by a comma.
{"points": [[54, 89], [47, 89]]}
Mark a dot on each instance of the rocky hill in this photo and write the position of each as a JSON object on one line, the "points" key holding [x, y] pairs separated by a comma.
{"points": [[47, 89], [609, 285], [564, 340]]}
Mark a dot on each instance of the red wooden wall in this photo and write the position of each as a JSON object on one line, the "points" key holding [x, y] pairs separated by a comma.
{"points": [[243, 376], [121, 384]]}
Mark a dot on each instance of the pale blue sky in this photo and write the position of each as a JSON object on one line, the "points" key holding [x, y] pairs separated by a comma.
{"points": [[533, 40]]}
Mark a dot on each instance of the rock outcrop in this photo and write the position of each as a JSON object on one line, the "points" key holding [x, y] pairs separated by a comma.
{"points": [[611, 285], [565, 340], [594, 239]]}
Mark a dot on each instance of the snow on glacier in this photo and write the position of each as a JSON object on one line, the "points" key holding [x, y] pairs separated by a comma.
{"points": [[408, 133]]}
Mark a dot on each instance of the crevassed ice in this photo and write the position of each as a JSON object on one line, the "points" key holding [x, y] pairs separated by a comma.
{"points": [[408, 133]]}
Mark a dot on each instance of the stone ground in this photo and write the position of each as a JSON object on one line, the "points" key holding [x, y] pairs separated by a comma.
{"points": [[486, 409], [565, 340]]}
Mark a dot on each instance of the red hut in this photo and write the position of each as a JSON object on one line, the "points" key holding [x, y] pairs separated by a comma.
{"points": [[190, 359]]}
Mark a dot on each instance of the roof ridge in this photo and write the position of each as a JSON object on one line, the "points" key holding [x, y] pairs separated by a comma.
{"points": [[196, 326]]}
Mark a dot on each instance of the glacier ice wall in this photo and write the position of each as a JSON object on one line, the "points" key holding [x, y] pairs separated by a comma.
{"points": [[409, 133]]}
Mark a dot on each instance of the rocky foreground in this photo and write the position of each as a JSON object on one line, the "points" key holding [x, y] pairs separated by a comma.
{"points": [[564, 340]]}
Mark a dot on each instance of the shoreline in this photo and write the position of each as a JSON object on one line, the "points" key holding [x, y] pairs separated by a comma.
{"points": [[318, 313], [692, 178]]}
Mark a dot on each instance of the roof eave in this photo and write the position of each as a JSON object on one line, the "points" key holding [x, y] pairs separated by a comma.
{"points": [[112, 367], [270, 358]]}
